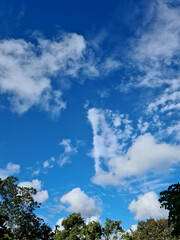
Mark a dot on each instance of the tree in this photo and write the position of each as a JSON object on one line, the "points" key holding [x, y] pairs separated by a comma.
{"points": [[76, 229], [170, 199], [112, 227], [152, 230], [93, 230], [17, 206], [73, 227]]}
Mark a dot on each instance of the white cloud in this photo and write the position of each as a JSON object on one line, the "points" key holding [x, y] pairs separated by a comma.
{"points": [[69, 150], [93, 219], [111, 64], [106, 136], [34, 184], [147, 206], [144, 155], [159, 39], [142, 126], [48, 163], [59, 223], [66, 143], [174, 130], [155, 53], [10, 170], [168, 101], [27, 70], [36, 172], [134, 227], [42, 195], [80, 202]]}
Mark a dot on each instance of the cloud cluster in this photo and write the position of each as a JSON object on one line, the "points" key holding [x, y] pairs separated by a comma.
{"points": [[42, 195], [10, 170], [27, 70], [80, 202], [115, 161], [31, 71], [154, 63], [147, 206]]}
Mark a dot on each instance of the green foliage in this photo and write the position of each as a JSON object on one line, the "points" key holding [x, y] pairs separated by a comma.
{"points": [[17, 207], [152, 230], [170, 199], [76, 229], [93, 231], [73, 227], [112, 227]]}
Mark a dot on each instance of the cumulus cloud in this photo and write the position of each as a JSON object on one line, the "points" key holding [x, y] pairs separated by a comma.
{"points": [[10, 170], [42, 195], [147, 206], [81, 202], [144, 155]]}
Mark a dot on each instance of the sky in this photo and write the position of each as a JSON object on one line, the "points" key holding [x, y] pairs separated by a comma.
{"points": [[89, 105]]}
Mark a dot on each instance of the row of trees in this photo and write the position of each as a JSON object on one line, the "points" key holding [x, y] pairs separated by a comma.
{"points": [[19, 222], [76, 229]]}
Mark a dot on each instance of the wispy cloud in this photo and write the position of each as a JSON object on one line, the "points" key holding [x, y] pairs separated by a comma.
{"points": [[69, 151], [29, 71], [106, 136], [49, 163]]}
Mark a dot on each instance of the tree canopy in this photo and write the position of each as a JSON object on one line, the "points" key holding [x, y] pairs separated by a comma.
{"points": [[170, 199], [75, 228], [152, 229], [17, 217]]}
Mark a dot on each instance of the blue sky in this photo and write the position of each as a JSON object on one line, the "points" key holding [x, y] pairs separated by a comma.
{"points": [[89, 104]]}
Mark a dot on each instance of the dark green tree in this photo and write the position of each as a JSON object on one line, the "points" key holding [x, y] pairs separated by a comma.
{"points": [[170, 199], [76, 229], [4, 231], [93, 230], [17, 205], [73, 227], [112, 227]]}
